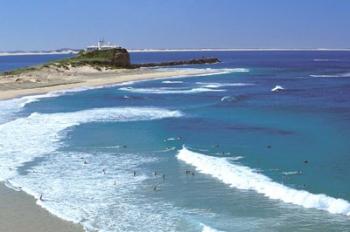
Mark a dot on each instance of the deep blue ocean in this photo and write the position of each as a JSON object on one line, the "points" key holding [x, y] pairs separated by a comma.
{"points": [[217, 152]]}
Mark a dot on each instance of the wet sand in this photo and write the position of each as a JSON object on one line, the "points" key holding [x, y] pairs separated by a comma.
{"points": [[20, 213]]}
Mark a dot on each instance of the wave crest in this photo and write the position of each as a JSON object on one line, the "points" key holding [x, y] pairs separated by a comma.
{"points": [[166, 90], [242, 177], [220, 85], [331, 75], [24, 139]]}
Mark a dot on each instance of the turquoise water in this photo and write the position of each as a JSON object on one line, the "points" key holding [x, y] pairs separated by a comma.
{"points": [[256, 160]]}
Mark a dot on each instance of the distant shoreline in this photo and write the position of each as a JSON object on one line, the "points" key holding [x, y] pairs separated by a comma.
{"points": [[37, 53], [236, 49], [187, 50]]}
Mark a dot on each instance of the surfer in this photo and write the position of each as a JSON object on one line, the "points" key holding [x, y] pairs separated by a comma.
{"points": [[41, 197], [134, 173]]}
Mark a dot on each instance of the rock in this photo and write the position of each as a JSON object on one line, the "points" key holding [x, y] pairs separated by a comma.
{"points": [[203, 60]]}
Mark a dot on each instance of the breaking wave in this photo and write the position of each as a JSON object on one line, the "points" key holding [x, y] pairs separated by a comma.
{"points": [[172, 82], [242, 177], [206, 228], [166, 90], [220, 85], [208, 71], [331, 75], [24, 139]]}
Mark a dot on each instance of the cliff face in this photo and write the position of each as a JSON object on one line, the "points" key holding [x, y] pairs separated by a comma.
{"points": [[120, 58]]}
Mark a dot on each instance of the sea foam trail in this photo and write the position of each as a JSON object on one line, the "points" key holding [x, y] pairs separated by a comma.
{"points": [[165, 90], [219, 85], [9, 107], [242, 177], [208, 71], [331, 75], [172, 82], [24, 139]]}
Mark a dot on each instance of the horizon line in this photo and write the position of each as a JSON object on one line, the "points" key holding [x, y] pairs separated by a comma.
{"points": [[73, 50]]}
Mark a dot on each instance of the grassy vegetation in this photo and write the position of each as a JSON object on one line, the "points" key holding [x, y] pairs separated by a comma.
{"points": [[97, 59], [19, 71]]}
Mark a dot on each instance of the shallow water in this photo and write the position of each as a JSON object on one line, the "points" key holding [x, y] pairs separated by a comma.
{"points": [[255, 159]]}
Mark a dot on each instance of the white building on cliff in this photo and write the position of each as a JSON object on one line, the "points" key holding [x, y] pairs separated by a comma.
{"points": [[102, 45]]}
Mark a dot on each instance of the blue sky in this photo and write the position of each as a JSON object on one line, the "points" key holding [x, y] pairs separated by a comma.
{"points": [[51, 24]]}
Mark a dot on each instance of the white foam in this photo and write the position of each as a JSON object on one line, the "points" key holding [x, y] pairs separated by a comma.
{"points": [[292, 173], [227, 98], [206, 228], [82, 193], [220, 85], [212, 71], [324, 60], [277, 88], [24, 139], [201, 72], [9, 107], [332, 75], [242, 177], [166, 90], [172, 82]]}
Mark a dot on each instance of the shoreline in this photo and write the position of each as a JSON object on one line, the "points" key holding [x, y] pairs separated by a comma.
{"points": [[42, 82], [19, 212], [25, 214]]}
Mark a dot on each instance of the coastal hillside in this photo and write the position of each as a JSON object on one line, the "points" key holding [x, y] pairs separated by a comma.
{"points": [[115, 58], [120, 58]]}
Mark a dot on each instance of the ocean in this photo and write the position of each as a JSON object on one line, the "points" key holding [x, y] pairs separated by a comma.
{"points": [[217, 152]]}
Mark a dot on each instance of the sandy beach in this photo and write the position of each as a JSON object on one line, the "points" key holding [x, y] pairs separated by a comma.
{"points": [[54, 79], [20, 213]]}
